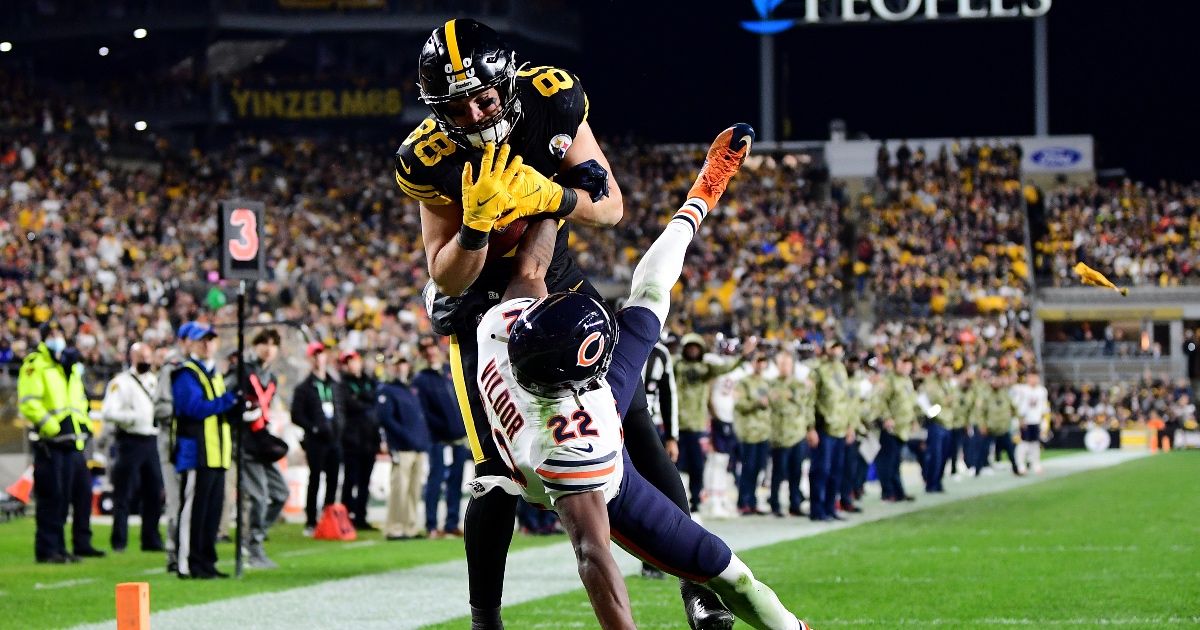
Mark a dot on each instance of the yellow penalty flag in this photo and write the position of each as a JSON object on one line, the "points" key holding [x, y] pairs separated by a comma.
{"points": [[1087, 275]]}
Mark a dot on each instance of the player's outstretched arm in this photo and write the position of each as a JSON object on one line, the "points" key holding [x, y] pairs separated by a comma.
{"points": [[533, 257], [585, 517], [609, 210], [659, 269]]}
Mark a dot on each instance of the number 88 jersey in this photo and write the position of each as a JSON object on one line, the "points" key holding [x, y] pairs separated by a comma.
{"points": [[552, 447], [553, 105]]}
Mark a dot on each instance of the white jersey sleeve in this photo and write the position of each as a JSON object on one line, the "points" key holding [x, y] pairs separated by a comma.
{"points": [[553, 448]]}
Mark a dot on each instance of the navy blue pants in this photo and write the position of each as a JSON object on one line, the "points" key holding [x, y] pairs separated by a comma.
{"points": [[691, 461], [754, 461], [649, 525], [936, 446], [786, 465], [852, 466], [958, 442], [1004, 444], [981, 444], [825, 476], [137, 463], [61, 483], [887, 464], [356, 495], [452, 477]]}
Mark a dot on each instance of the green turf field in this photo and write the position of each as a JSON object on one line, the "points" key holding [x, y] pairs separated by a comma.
{"points": [[33, 595], [1118, 546]]}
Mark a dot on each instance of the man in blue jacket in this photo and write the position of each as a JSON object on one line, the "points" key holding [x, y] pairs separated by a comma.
{"points": [[399, 413], [439, 403], [203, 452]]}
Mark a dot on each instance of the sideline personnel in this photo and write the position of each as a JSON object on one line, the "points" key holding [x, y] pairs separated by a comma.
{"points": [[129, 405], [52, 401], [203, 450]]}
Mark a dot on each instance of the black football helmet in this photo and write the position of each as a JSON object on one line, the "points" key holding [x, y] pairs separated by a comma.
{"points": [[562, 345], [460, 60]]}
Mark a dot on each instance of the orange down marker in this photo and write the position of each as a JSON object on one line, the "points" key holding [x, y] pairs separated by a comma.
{"points": [[133, 606]]}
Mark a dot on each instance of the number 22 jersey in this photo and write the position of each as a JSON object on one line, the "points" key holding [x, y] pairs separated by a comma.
{"points": [[553, 448]]}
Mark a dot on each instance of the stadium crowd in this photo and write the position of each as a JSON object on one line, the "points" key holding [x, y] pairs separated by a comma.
{"points": [[916, 255], [1134, 234]]}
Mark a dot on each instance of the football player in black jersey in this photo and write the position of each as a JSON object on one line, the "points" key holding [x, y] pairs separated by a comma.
{"points": [[481, 99]]}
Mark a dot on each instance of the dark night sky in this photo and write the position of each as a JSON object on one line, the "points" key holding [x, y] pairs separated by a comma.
{"points": [[1120, 70]]}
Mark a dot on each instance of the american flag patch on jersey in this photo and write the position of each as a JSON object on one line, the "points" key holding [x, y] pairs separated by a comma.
{"points": [[575, 475]]}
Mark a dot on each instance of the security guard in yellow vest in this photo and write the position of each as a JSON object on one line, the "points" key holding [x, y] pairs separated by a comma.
{"points": [[203, 452], [52, 401]]}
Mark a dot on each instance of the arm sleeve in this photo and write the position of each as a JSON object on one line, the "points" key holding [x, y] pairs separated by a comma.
{"points": [[30, 390], [385, 410], [190, 401], [715, 370], [569, 471], [114, 408], [415, 178], [743, 403]]}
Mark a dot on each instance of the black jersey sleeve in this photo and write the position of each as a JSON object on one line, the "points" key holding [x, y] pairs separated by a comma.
{"points": [[424, 168], [559, 94]]}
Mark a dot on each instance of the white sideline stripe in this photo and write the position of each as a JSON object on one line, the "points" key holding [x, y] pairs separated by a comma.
{"points": [[412, 598], [1099, 621], [39, 586]]}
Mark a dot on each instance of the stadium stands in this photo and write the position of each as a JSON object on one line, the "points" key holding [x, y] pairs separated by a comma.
{"points": [[1134, 234]]}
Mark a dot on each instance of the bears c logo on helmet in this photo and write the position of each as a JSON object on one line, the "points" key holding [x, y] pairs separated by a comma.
{"points": [[584, 358]]}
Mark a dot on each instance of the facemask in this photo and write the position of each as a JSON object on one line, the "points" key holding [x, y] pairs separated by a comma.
{"points": [[497, 133], [56, 345], [142, 368]]}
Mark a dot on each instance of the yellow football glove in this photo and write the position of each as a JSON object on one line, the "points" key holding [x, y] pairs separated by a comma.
{"points": [[485, 200], [534, 193]]}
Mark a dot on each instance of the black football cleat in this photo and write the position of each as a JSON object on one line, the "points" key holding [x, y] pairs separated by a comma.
{"points": [[704, 609]]}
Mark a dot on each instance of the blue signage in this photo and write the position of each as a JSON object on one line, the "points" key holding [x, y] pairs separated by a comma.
{"points": [[764, 25], [1056, 157]]}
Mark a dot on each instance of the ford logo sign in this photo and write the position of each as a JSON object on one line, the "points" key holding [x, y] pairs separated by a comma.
{"points": [[1056, 157]]}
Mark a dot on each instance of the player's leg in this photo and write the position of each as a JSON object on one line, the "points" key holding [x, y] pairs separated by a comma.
{"points": [[488, 523], [639, 332], [650, 526]]}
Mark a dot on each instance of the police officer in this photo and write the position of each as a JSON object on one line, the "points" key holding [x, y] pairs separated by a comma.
{"points": [[791, 426], [129, 406], [52, 401], [834, 432], [692, 376], [942, 394], [898, 408], [755, 398], [203, 452]]}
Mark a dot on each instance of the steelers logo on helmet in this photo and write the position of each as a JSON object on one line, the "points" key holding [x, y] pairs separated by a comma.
{"points": [[464, 59]]}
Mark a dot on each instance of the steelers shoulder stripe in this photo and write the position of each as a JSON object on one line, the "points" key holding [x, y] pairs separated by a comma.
{"points": [[421, 192]]}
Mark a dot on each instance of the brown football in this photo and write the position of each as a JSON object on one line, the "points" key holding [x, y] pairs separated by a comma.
{"points": [[501, 243]]}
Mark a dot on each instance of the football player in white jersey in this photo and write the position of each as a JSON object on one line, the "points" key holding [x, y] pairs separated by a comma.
{"points": [[557, 371]]}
